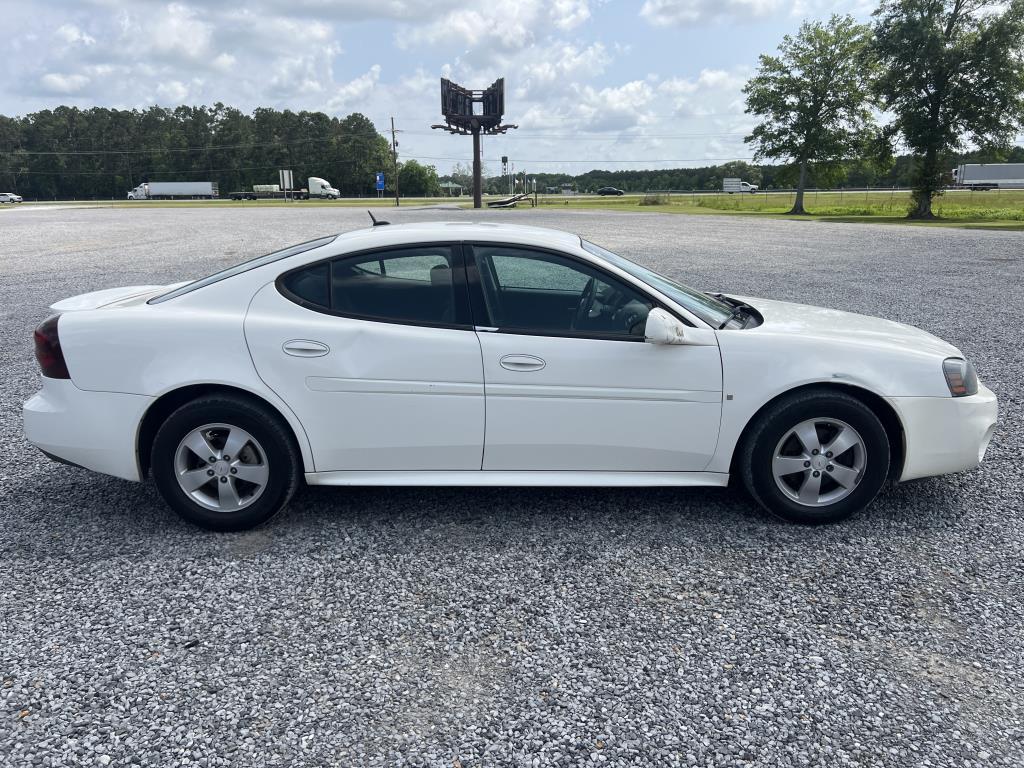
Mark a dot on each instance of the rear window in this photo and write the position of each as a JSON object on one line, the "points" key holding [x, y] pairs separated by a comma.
{"points": [[245, 266]]}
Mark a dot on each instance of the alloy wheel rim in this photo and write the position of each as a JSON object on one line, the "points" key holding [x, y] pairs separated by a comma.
{"points": [[221, 467], [819, 462]]}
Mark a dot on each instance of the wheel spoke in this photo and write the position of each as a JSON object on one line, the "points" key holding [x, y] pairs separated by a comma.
{"points": [[198, 444], [811, 489], [808, 436], [236, 441], [845, 476], [788, 465], [842, 442], [228, 495], [193, 479], [254, 473]]}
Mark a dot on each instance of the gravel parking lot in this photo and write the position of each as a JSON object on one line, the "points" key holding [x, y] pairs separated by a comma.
{"points": [[494, 627]]}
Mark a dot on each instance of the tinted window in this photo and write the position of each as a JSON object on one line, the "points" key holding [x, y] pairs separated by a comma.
{"points": [[406, 285], [539, 292], [310, 284]]}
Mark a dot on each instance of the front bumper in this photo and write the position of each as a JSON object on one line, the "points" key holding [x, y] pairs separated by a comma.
{"points": [[945, 434], [94, 430]]}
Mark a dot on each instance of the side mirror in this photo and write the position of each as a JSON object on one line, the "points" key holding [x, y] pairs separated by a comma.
{"points": [[663, 328]]}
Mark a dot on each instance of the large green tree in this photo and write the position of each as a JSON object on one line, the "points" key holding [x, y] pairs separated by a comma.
{"points": [[418, 180], [950, 71], [812, 99]]}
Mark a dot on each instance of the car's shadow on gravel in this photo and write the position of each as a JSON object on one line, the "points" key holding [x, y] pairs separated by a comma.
{"points": [[130, 519]]}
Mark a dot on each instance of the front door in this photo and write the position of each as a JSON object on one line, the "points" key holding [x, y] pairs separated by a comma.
{"points": [[570, 383], [376, 355]]}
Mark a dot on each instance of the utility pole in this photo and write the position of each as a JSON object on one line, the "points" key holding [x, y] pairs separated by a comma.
{"points": [[394, 156]]}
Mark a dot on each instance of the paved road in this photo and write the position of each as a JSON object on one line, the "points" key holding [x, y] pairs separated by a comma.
{"points": [[495, 627]]}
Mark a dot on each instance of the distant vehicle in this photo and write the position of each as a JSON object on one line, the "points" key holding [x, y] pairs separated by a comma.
{"points": [[270, 192], [736, 185], [981, 176], [610, 191], [9, 197], [320, 188], [174, 190], [373, 357]]}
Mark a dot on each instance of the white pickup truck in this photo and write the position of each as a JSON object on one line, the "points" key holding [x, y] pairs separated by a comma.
{"points": [[736, 185]]}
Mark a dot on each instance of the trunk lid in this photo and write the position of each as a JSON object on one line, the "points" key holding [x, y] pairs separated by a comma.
{"points": [[131, 294]]}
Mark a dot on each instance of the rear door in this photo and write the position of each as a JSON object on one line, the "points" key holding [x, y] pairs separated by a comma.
{"points": [[376, 355], [571, 384]]}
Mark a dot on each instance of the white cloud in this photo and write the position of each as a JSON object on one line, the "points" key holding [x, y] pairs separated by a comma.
{"points": [[71, 35], [177, 31], [498, 25], [56, 83], [172, 91], [681, 12], [562, 62], [225, 62], [355, 93]]}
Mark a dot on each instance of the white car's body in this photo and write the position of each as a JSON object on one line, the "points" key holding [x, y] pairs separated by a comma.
{"points": [[384, 403], [9, 197]]}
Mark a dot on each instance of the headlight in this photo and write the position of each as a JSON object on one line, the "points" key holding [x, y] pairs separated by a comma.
{"points": [[960, 376]]}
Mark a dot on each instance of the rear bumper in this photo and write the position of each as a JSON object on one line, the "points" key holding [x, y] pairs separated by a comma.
{"points": [[94, 430], [945, 434]]}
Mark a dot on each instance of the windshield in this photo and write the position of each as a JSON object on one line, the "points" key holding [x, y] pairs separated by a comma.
{"points": [[245, 266], [710, 310]]}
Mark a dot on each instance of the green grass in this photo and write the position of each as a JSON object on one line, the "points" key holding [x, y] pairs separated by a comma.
{"points": [[996, 209]]}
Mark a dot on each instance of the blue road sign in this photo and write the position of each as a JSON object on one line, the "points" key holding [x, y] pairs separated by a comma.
{"points": [[380, 182]]}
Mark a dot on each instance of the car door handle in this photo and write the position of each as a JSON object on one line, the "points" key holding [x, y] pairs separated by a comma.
{"points": [[305, 348], [521, 363]]}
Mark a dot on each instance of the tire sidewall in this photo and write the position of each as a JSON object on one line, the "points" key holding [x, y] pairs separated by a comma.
{"points": [[758, 473], [279, 454]]}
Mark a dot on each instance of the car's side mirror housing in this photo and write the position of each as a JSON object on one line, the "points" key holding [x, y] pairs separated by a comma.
{"points": [[663, 328]]}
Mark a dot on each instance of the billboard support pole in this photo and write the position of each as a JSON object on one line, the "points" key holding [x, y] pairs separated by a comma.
{"points": [[477, 182]]}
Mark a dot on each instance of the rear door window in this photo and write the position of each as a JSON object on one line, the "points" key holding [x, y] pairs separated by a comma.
{"points": [[420, 285]]}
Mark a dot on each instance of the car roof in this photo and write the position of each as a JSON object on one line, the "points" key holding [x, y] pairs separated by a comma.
{"points": [[462, 230]]}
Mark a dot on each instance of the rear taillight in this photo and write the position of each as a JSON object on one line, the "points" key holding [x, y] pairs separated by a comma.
{"points": [[48, 351]]}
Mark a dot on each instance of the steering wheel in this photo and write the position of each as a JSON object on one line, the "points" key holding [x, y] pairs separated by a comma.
{"points": [[585, 305]]}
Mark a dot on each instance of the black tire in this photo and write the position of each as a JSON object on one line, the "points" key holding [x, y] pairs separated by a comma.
{"points": [[267, 428], [757, 454]]}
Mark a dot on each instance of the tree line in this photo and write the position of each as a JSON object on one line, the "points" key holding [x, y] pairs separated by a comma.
{"points": [[102, 153], [847, 173]]}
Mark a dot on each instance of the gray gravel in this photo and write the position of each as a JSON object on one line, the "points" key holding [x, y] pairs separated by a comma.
{"points": [[493, 627]]}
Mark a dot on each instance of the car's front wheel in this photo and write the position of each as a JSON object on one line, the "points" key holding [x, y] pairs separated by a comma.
{"points": [[815, 457], [225, 463]]}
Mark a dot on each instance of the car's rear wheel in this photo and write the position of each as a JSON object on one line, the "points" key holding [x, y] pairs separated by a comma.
{"points": [[815, 457], [225, 463]]}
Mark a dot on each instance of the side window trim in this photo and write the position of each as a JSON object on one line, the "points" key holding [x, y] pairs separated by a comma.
{"points": [[463, 311], [481, 314]]}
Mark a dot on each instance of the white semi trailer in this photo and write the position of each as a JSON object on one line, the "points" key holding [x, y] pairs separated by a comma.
{"points": [[989, 176], [170, 190]]}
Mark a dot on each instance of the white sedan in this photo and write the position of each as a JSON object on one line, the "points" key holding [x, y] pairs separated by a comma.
{"points": [[9, 197], [483, 354]]}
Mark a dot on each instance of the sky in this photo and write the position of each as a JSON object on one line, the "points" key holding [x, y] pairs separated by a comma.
{"points": [[609, 84]]}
